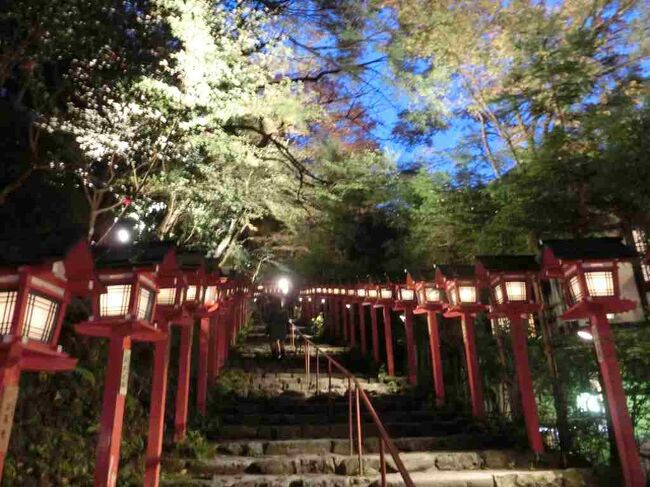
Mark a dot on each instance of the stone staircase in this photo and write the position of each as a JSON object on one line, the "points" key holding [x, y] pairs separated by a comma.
{"points": [[280, 430]]}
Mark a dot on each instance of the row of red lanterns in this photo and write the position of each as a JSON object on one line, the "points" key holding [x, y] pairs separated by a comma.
{"points": [[137, 294], [588, 271]]}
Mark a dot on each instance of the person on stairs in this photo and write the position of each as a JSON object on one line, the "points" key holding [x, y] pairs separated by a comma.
{"points": [[277, 321]]}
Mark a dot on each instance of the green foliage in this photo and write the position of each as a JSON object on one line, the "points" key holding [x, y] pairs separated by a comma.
{"points": [[195, 445]]}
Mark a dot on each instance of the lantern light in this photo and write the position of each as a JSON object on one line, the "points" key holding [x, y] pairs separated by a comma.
{"points": [[467, 294], [284, 284], [386, 292], [516, 290], [123, 235], [585, 334]]}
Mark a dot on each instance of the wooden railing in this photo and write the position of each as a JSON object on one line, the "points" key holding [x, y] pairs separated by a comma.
{"points": [[356, 395]]}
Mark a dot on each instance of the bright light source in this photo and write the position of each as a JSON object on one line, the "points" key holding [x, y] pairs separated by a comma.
{"points": [[402, 317], [322, 301], [284, 284], [589, 402], [585, 334], [347, 306], [123, 235], [300, 299]]}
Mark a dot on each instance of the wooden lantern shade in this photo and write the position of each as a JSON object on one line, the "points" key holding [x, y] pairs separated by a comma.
{"points": [[33, 300], [460, 285], [511, 280], [588, 269], [192, 265]]}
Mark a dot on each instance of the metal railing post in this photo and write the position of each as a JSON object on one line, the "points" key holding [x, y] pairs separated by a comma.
{"points": [[382, 462], [317, 371], [330, 404], [350, 428], [360, 395], [359, 433]]}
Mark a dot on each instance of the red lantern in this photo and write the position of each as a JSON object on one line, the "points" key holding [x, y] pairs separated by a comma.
{"points": [[588, 268], [34, 295], [512, 280], [385, 300], [122, 311], [170, 309], [406, 301], [206, 312], [459, 283], [431, 300]]}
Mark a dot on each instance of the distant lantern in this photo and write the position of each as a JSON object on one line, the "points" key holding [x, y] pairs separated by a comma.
{"points": [[405, 300], [36, 285], [406, 294], [511, 280], [588, 268], [430, 301], [460, 285]]}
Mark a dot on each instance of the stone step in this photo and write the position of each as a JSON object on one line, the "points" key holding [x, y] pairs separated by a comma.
{"points": [[340, 415], [295, 404], [325, 446], [339, 430], [303, 480], [349, 465], [462, 478], [569, 477]]}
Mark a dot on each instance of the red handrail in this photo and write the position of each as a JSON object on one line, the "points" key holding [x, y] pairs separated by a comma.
{"points": [[359, 393]]}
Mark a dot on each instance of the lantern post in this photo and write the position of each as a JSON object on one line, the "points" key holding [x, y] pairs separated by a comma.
{"points": [[430, 299], [360, 300], [463, 302], [123, 311], [370, 300], [405, 301], [205, 313], [345, 315], [169, 309], [385, 301], [192, 265], [350, 299], [35, 290], [511, 281], [588, 268]]}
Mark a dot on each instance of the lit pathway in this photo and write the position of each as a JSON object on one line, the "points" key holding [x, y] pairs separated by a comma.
{"points": [[275, 431]]}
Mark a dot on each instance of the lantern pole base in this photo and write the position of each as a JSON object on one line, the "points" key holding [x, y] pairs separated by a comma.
{"points": [[183, 386], [410, 346], [9, 384], [471, 358], [527, 395], [375, 335], [436, 359], [112, 417], [628, 452], [157, 410], [388, 334]]}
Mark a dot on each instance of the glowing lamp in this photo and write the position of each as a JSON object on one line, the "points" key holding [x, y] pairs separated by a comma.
{"points": [[192, 265], [386, 292], [36, 285], [511, 281], [588, 269], [460, 286]]}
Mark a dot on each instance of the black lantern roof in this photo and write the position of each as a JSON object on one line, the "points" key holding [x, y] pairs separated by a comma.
{"points": [[456, 271], [508, 263], [48, 247], [590, 248], [190, 261], [419, 275], [132, 255]]}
